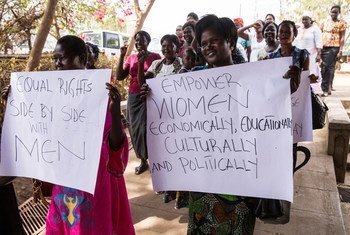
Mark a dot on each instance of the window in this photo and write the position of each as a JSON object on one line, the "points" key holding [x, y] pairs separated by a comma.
{"points": [[111, 40], [125, 39], [94, 38]]}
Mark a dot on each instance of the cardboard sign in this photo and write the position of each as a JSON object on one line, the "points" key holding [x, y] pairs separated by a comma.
{"points": [[302, 111], [224, 130], [53, 126]]}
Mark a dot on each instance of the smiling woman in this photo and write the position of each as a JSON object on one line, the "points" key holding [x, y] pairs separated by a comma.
{"points": [[272, 44], [217, 213]]}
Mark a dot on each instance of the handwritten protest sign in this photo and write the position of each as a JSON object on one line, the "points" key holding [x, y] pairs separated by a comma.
{"points": [[53, 126], [223, 130], [302, 111]]}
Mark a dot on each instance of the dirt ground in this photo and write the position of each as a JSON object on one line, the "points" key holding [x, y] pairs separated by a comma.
{"points": [[23, 187]]}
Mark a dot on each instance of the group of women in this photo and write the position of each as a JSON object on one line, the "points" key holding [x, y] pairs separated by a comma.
{"points": [[217, 39], [209, 43]]}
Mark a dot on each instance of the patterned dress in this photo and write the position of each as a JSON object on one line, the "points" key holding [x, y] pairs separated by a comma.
{"points": [[107, 211], [218, 213]]}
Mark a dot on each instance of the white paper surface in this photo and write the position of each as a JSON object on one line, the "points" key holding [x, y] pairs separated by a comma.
{"points": [[224, 130], [53, 126], [302, 111]]}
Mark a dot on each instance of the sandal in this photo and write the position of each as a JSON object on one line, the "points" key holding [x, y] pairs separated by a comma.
{"points": [[141, 168]]}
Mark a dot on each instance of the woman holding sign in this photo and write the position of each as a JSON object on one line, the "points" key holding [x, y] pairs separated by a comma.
{"points": [[107, 211], [216, 213], [287, 32], [171, 64], [211, 213]]}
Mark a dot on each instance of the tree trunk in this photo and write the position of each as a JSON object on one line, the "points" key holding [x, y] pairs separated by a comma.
{"points": [[141, 17], [40, 39], [57, 29]]}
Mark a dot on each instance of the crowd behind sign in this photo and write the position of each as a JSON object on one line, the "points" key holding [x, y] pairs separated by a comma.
{"points": [[53, 126], [224, 130]]}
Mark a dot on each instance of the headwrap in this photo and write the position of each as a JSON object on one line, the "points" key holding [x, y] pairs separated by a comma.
{"points": [[238, 20], [308, 14]]}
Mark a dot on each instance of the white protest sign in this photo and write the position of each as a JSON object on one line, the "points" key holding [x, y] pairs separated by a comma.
{"points": [[302, 111], [53, 126], [223, 130]]}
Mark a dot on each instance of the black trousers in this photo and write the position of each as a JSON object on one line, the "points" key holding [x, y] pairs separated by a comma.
{"points": [[10, 221], [329, 58]]}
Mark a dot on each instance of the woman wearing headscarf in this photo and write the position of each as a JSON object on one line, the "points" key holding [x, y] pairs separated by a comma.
{"points": [[310, 38]]}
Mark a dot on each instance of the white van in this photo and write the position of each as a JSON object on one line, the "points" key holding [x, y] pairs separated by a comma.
{"points": [[109, 42]]}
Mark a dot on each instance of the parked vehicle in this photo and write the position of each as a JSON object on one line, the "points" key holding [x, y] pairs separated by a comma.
{"points": [[23, 48], [109, 42]]}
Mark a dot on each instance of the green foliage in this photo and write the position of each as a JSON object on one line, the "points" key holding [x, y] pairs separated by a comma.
{"points": [[293, 10], [18, 21]]}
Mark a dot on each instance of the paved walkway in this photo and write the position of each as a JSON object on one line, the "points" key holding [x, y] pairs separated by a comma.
{"points": [[316, 208]]}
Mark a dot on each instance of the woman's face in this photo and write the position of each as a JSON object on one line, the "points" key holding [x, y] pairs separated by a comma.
{"points": [[64, 61], [215, 49], [169, 49], [188, 60], [188, 34], [238, 25], [141, 42], [260, 28], [269, 19], [91, 58], [285, 34], [306, 21], [270, 33], [335, 13]]}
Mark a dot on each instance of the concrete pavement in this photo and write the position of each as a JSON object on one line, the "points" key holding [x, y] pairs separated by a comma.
{"points": [[316, 208]]}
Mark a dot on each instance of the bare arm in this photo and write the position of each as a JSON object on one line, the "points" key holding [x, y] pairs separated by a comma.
{"points": [[318, 56], [241, 31], [341, 45], [249, 50], [141, 70], [122, 72], [306, 63], [116, 136]]}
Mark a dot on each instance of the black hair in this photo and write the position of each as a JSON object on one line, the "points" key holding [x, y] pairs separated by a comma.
{"points": [[144, 34], [191, 24], [193, 15], [273, 17], [295, 30], [172, 38], [336, 6], [267, 24], [94, 48], [191, 51], [224, 26], [73, 46]]}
